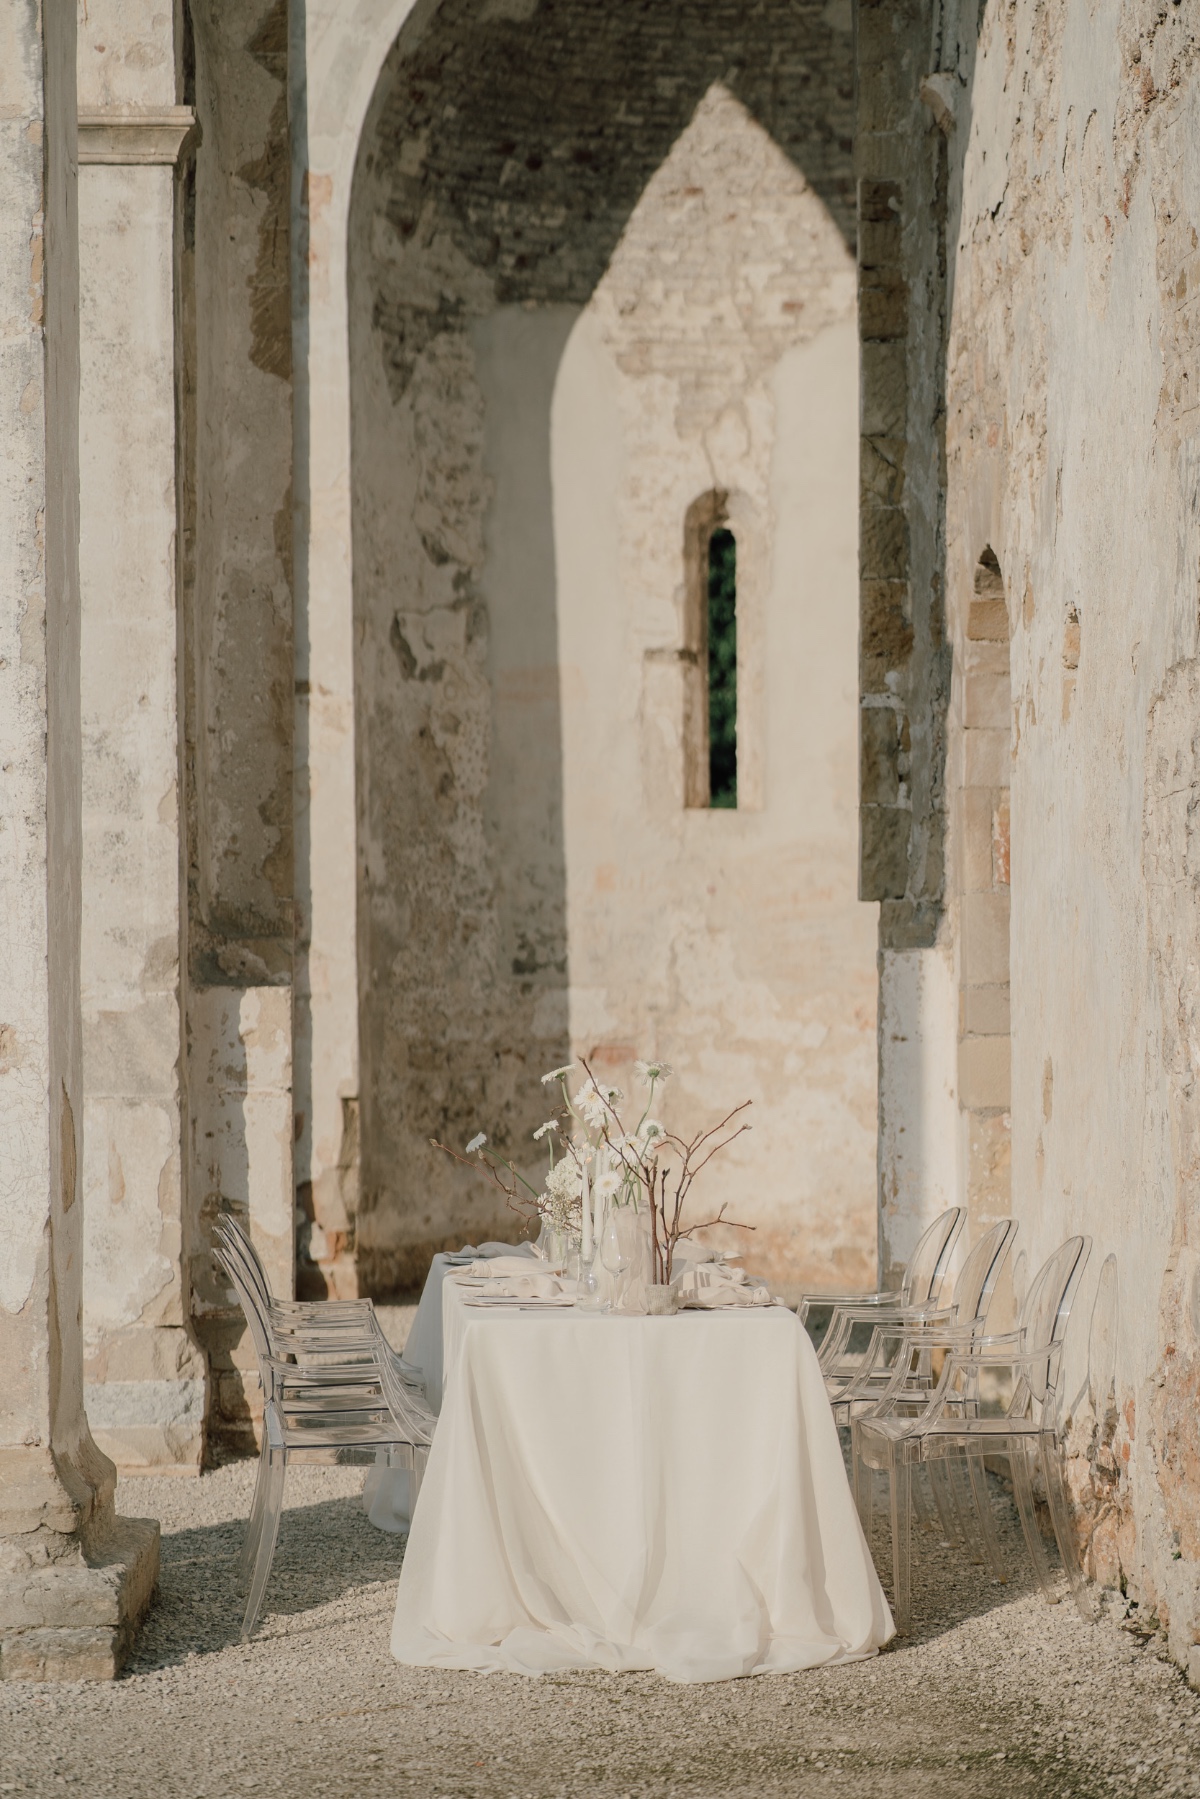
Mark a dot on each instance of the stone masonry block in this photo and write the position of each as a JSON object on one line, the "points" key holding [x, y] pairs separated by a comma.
{"points": [[987, 758], [61, 1655], [879, 747], [882, 306], [885, 632], [984, 938], [985, 1073], [879, 238], [881, 470], [986, 658], [78, 1621], [883, 543], [883, 852], [879, 200], [976, 808], [987, 701], [986, 1011], [884, 389], [987, 621]]}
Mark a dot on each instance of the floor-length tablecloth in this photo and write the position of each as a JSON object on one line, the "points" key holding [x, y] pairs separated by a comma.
{"points": [[386, 1492], [627, 1493]]}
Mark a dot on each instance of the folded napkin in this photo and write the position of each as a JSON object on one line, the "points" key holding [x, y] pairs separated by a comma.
{"points": [[712, 1284], [523, 1268], [518, 1286]]}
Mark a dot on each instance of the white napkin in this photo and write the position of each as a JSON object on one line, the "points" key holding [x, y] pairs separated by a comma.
{"points": [[517, 1286], [714, 1284], [507, 1268]]}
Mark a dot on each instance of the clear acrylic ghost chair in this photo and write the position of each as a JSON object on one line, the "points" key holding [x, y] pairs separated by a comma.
{"points": [[900, 1370], [328, 1321], [326, 1399], [961, 1419], [903, 1361], [918, 1291]]}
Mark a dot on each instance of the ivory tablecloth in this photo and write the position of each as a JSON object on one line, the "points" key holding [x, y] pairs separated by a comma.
{"points": [[624, 1493]]}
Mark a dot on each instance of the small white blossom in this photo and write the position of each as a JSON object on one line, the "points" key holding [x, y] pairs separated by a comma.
{"points": [[557, 1074], [653, 1139], [564, 1181], [475, 1143], [544, 1130], [608, 1185], [595, 1103], [652, 1071]]}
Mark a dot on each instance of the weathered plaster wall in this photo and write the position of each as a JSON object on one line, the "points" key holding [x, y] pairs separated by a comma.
{"points": [[564, 332], [719, 352], [1074, 165], [145, 1374], [239, 674]]}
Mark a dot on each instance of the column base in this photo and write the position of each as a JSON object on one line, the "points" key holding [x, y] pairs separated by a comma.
{"points": [[77, 1619], [145, 1393]]}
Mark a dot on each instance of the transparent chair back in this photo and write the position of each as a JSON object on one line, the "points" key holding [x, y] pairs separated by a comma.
{"points": [[930, 1259]]}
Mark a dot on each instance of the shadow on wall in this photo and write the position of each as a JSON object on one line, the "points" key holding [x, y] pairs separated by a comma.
{"points": [[503, 155]]}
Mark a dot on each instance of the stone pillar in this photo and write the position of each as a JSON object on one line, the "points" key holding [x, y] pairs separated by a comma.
{"points": [[74, 1579], [240, 682], [144, 1373]]}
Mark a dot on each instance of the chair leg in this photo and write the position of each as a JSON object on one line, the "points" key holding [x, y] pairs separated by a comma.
{"points": [[254, 1522], [1060, 1513], [276, 1467], [983, 1509], [924, 1514], [1019, 1459], [901, 1498], [943, 1499]]}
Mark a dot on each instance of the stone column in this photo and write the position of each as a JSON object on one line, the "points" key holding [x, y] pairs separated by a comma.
{"points": [[239, 690], [74, 1579], [145, 1375]]}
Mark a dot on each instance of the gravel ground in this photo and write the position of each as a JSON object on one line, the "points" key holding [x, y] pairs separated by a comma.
{"points": [[994, 1694]]}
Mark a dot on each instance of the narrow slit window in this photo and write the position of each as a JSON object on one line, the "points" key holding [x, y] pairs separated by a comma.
{"points": [[722, 668]]}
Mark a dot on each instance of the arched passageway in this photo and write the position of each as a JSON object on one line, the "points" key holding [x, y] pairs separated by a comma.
{"points": [[602, 308]]}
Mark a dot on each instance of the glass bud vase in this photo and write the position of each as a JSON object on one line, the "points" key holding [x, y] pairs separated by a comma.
{"points": [[588, 1296]]}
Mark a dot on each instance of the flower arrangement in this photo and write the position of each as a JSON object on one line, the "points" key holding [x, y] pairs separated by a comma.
{"points": [[597, 1155]]}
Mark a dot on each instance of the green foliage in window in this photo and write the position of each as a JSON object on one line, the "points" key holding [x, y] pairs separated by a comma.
{"points": [[722, 668]]}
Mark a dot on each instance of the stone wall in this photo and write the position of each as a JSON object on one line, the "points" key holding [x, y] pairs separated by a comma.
{"points": [[1062, 335], [598, 270]]}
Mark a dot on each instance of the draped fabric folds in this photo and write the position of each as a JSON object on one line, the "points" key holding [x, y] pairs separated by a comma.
{"points": [[635, 1493]]}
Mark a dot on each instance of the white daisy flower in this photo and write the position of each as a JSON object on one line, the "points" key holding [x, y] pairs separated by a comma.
{"points": [[544, 1130], [475, 1143], [652, 1135], [652, 1071], [596, 1103], [608, 1185], [557, 1074]]}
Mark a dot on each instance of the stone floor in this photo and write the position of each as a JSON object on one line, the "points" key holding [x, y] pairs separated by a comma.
{"points": [[994, 1694]]}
